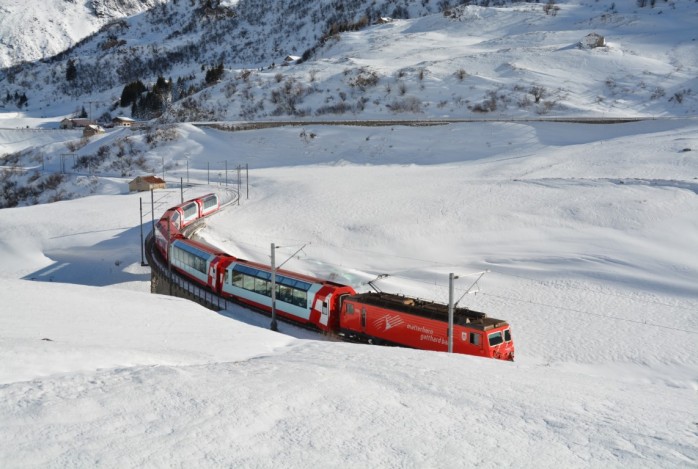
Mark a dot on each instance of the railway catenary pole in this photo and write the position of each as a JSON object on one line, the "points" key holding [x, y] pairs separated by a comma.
{"points": [[239, 168], [152, 211], [452, 304], [141, 225], [181, 190], [451, 278], [273, 326], [169, 256]]}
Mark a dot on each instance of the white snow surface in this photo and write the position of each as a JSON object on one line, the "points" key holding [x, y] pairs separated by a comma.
{"points": [[588, 234]]}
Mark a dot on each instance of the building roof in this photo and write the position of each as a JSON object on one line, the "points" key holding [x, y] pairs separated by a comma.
{"points": [[150, 179], [77, 122]]}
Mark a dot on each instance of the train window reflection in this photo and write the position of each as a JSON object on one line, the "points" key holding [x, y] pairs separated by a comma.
{"points": [[288, 290]]}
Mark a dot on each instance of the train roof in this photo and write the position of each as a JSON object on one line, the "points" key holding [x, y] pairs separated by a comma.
{"points": [[428, 309], [202, 246]]}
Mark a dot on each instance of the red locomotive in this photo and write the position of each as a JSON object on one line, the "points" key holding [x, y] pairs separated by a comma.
{"points": [[331, 307], [398, 320]]}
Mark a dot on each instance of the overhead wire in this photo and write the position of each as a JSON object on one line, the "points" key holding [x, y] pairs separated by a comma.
{"points": [[605, 316], [593, 290]]}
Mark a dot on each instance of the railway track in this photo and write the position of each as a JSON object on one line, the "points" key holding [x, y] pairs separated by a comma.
{"points": [[239, 126]]}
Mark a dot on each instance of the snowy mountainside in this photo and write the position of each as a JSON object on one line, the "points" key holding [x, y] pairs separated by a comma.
{"points": [[34, 29], [466, 61], [183, 35]]}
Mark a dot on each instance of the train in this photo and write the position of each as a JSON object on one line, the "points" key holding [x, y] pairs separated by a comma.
{"points": [[329, 307]]}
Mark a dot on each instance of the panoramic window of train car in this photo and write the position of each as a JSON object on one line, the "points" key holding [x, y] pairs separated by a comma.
{"points": [[284, 293], [189, 259], [236, 280], [247, 282], [262, 286], [190, 211], [495, 338], [175, 219], [210, 202], [507, 335], [475, 338], [288, 290], [300, 298]]}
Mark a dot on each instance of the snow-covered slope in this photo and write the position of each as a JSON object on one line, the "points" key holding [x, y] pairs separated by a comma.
{"points": [[31, 30], [588, 232], [126, 379]]}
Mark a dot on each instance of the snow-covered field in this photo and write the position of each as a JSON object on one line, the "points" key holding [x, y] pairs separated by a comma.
{"points": [[589, 233]]}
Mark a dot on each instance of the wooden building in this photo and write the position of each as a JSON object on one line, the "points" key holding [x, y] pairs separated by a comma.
{"points": [[92, 129], [146, 183]]}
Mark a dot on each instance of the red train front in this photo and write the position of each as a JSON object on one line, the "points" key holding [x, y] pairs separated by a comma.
{"points": [[398, 320]]}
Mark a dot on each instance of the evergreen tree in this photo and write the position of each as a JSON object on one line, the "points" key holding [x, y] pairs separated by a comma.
{"points": [[162, 87], [214, 74], [131, 93], [71, 72]]}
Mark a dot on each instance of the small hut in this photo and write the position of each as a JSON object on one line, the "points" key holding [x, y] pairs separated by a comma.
{"points": [[146, 183], [290, 60], [121, 121], [68, 123], [92, 129]]}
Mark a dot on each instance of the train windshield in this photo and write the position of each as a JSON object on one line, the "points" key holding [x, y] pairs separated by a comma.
{"points": [[495, 338]]}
